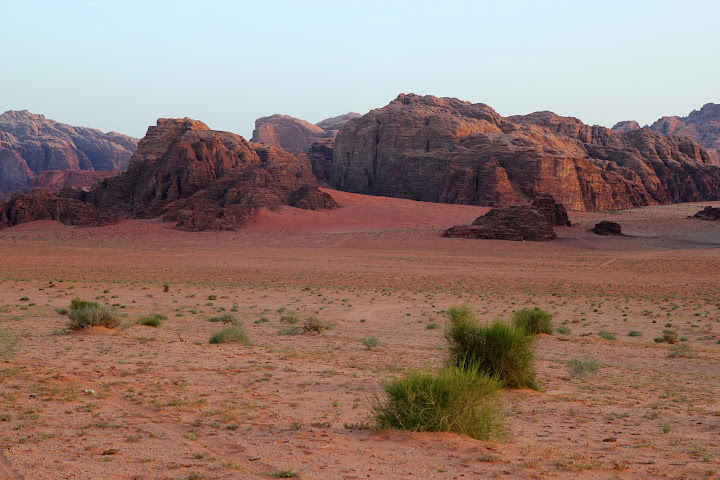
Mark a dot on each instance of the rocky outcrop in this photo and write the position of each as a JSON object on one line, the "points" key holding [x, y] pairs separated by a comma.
{"points": [[296, 135], [206, 179], [702, 125], [450, 151], [532, 223], [56, 180], [40, 204], [626, 126], [606, 227], [711, 214], [32, 144]]}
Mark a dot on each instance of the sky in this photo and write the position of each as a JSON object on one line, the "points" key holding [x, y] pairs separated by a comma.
{"points": [[120, 65]]}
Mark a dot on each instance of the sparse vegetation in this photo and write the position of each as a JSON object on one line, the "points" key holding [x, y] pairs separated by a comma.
{"points": [[234, 334], [563, 330], [583, 368], [683, 350], [604, 334], [8, 344], [290, 318], [455, 399], [227, 318], [152, 320], [314, 325], [84, 314], [634, 333], [499, 349], [534, 320], [370, 342], [289, 473], [670, 336]]}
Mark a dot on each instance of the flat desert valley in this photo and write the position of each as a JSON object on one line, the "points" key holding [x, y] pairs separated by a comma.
{"points": [[139, 402]]}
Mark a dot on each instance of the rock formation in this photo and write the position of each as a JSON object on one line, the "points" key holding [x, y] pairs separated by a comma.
{"points": [[702, 125], [708, 213], [32, 144], [534, 222], [450, 151], [206, 179], [606, 227], [40, 204], [295, 135], [626, 126]]}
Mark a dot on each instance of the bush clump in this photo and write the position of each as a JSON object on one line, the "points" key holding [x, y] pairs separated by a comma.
{"points": [[314, 325], [461, 400], [225, 318], [533, 320], [670, 336], [606, 335], [8, 344], [583, 368], [234, 334], [501, 350], [152, 320], [84, 314]]}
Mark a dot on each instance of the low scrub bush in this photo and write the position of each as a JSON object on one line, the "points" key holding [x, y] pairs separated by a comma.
{"points": [[370, 342], [501, 350], [314, 325], [606, 335], [85, 314], [234, 334], [533, 320], [290, 318], [461, 400], [226, 318], [670, 336], [583, 368], [563, 330], [634, 333], [683, 350], [8, 344], [152, 320]]}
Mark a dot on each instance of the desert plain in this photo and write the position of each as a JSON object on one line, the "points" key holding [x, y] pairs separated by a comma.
{"points": [[139, 402]]}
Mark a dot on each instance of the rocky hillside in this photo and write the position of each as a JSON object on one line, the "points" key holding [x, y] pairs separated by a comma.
{"points": [[702, 125], [451, 151], [296, 135], [31, 145], [206, 179]]}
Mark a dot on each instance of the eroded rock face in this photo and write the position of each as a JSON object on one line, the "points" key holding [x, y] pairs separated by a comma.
{"points": [[450, 151], [32, 144], [206, 179], [711, 214], [534, 222], [702, 125], [41, 204], [296, 135], [626, 126], [606, 227]]}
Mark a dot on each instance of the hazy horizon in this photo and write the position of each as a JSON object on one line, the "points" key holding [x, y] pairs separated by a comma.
{"points": [[118, 66]]}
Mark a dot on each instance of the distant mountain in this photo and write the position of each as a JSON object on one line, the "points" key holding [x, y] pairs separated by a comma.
{"points": [[296, 135], [32, 145], [451, 151], [702, 125]]}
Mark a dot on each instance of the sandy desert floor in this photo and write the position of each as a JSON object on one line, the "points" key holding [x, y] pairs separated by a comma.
{"points": [[139, 402]]}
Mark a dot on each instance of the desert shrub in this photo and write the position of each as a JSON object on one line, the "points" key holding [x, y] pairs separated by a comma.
{"points": [[370, 342], [290, 318], [152, 320], [225, 318], [314, 325], [499, 349], [563, 329], [606, 335], [166, 287], [683, 350], [62, 311], [8, 344], [634, 333], [659, 340], [583, 368], [670, 336], [212, 297], [533, 320], [432, 326], [287, 473], [234, 334], [455, 399], [85, 314], [461, 314]]}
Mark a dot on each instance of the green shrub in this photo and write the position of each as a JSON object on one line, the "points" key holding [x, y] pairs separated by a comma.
{"points": [[225, 318], [683, 350], [8, 344], [583, 368], [314, 325], [85, 314], [290, 318], [152, 320], [455, 399], [533, 320], [231, 334], [432, 326], [62, 311], [659, 340], [563, 329], [634, 333], [670, 336], [370, 342], [212, 297], [606, 335], [166, 287], [499, 349]]}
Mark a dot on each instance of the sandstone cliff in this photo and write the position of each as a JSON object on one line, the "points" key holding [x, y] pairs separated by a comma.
{"points": [[40, 204], [450, 151], [296, 135], [206, 179], [32, 144], [702, 125]]}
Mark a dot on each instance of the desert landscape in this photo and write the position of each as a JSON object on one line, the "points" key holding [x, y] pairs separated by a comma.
{"points": [[145, 402]]}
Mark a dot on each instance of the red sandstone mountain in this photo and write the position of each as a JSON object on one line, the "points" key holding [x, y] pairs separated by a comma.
{"points": [[296, 135], [31, 145], [702, 125], [450, 151], [206, 179]]}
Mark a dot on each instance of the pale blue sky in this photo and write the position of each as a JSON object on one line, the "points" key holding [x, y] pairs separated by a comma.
{"points": [[118, 65]]}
